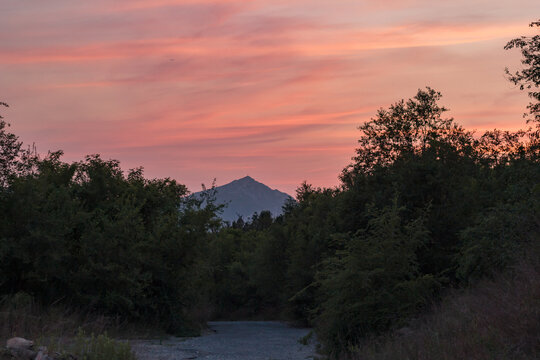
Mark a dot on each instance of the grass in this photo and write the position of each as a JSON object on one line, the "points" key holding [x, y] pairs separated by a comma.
{"points": [[93, 347], [494, 319], [306, 340], [65, 331], [21, 316]]}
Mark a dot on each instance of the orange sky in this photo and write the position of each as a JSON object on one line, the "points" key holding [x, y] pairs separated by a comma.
{"points": [[274, 89]]}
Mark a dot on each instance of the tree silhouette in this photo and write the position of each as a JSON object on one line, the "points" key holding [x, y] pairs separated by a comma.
{"points": [[528, 78], [405, 128], [10, 149]]}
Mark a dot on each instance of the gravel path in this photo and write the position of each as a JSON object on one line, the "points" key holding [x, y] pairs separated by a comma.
{"points": [[232, 340]]}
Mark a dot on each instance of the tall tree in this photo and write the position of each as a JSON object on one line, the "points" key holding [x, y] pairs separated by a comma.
{"points": [[528, 78], [406, 128], [14, 159], [10, 149]]}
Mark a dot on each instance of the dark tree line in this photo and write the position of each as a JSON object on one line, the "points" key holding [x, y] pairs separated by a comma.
{"points": [[425, 206], [89, 236]]}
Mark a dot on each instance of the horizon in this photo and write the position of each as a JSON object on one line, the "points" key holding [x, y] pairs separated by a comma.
{"points": [[203, 90]]}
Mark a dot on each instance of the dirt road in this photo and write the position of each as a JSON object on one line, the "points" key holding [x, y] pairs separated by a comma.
{"points": [[233, 340]]}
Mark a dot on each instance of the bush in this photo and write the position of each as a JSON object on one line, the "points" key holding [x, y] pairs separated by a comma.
{"points": [[495, 319], [499, 238], [374, 283], [84, 347], [100, 347]]}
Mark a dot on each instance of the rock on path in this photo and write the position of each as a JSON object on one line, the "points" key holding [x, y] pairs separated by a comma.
{"points": [[232, 340]]}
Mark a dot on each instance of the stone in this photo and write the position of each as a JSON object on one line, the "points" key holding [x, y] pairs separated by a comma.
{"points": [[19, 343]]}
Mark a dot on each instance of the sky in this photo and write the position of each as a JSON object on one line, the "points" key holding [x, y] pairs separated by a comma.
{"points": [[275, 89]]}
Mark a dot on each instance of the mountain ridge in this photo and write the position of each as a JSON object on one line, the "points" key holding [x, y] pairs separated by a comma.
{"points": [[245, 196]]}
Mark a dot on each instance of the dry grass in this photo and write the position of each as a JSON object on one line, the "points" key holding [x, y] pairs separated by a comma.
{"points": [[68, 331], [495, 319], [21, 316]]}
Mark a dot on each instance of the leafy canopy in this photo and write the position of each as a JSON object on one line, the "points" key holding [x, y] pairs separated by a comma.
{"points": [[405, 128], [528, 77]]}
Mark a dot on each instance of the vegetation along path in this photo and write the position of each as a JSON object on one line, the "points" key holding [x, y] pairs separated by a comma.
{"points": [[233, 340]]}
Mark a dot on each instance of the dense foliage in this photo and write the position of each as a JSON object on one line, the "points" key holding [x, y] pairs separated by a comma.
{"points": [[427, 208], [87, 235]]}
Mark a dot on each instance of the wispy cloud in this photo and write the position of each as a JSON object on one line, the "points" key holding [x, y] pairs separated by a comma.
{"points": [[197, 89]]}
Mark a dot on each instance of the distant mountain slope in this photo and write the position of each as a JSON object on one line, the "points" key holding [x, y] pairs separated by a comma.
{"points": [[246, 196]]}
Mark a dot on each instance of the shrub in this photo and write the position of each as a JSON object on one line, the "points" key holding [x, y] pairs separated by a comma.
{"points": [[375, 283], [84, 347]]}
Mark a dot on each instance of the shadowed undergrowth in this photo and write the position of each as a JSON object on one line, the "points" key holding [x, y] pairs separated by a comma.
{"points": [[495, 319], [21, 316]]}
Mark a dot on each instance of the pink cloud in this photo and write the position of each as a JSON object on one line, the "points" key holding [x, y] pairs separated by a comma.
{"points": [[203, 89]]}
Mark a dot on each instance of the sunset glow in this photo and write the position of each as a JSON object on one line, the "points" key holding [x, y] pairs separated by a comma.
{"points": [[274, 89]]}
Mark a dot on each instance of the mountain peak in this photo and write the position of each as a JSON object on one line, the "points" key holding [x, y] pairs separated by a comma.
{"points": [[245, 196], [246, 179]]}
